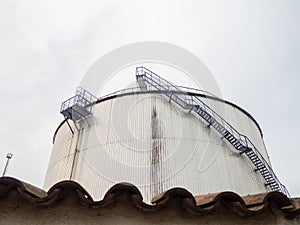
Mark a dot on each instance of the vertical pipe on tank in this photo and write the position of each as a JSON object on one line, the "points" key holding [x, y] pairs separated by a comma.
{"points": [[76, 152]]}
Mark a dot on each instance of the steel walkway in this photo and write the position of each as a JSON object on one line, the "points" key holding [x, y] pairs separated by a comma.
{"points": [[147, 80]]}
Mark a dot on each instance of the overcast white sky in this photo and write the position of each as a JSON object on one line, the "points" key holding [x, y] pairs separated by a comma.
{"points": [[251, 46]]}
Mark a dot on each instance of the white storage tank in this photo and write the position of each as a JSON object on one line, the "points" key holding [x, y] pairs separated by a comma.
{"points": [[158, 138]]}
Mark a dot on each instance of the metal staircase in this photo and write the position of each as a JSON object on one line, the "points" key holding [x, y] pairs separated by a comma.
{"points": [[147, 80]]}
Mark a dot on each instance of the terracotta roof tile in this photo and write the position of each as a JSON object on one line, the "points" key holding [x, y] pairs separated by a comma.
{"points": [[197, 205]]}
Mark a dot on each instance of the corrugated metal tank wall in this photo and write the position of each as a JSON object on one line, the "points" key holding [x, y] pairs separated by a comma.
{"points": [[148, 141]]}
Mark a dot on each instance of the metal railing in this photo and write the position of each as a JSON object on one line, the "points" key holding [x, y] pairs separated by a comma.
{"points": [[148, 80], [187, 98], [82, 98]]}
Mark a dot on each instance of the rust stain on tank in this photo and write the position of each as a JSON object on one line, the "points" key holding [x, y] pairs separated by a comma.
{"points": [[157, 151]]}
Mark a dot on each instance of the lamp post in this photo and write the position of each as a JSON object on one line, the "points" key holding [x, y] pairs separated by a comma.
{"points": [[8, 156]]}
